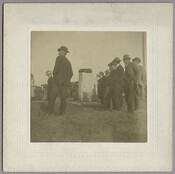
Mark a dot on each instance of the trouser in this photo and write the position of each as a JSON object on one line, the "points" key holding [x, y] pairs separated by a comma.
{"points": [[62, 91], [107, 98], [142, 91], [132, 96]]}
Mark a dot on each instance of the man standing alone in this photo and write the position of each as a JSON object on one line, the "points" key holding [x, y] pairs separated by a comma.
{"points": [[131, 84], [62, 75]]}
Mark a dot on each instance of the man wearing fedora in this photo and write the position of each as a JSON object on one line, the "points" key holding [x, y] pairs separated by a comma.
{"points": [[62, 74], [117, 81], [141, 78], [131, 84]]}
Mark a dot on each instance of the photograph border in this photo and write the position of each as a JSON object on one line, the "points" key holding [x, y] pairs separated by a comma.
{"points": [[23, 33]]}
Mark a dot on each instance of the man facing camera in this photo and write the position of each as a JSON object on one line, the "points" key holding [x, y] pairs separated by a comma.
{"points": [[131, 84], [62, 75]]}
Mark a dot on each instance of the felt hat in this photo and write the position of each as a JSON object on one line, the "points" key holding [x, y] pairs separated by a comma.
{"points": [[114, 62], [126, 57], [136, 59], [63, 48], [101, 73]]}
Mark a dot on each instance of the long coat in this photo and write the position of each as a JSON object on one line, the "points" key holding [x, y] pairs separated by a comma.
{"points": [[62, 74], [131, 86], [62, 71], [117, 83]]}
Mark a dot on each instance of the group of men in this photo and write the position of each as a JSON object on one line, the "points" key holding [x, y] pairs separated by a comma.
{"points": [[117, 80], [110, 86]]}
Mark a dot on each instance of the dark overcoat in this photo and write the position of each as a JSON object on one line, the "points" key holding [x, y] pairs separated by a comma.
{"points": [[117, 83], [62, 71]]}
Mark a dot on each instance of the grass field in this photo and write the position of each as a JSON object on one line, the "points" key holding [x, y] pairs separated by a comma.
{"points": [[87, 122]]}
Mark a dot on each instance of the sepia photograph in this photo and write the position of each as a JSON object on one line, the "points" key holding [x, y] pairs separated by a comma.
{"points": [[88, 86]]}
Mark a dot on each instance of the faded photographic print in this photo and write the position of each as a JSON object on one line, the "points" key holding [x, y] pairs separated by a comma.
{"points": [[88, 86]]}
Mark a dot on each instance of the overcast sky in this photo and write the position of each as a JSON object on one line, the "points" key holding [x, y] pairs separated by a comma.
{"points": [[87, 50]]}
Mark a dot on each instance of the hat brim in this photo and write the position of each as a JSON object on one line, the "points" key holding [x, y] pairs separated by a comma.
{"points": [[136, 60], [62, 50], [126, 58]]}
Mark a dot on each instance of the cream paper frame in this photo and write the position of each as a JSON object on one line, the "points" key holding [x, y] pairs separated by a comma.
{"points": [[19, 154]]}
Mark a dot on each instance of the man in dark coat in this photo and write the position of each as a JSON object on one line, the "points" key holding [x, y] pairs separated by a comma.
{"points": [[108, 87], [49, 83], [131, 84], [117, 83], [107, 94], [62, 74], [101, 87]]}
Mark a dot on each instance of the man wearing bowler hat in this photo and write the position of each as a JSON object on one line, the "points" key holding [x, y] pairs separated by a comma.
{"points": [[62, 74], [131, 84]]}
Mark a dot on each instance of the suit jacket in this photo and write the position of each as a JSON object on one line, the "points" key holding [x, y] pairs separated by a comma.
{"points": [[62, 71], [117, 78], [142, 76], [101, 82], [131, 73], [106, 81]]}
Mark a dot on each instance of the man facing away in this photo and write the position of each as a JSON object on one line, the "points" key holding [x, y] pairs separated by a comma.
{"points": [[141, 78], [131, 84], [62, 75], [108, 87], [117, 83]]}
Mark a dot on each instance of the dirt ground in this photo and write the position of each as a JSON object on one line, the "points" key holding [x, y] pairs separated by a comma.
{"points": [[87, 122]]}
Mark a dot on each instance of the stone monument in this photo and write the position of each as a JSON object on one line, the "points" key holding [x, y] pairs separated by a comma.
{"points": [[87, 85]]}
